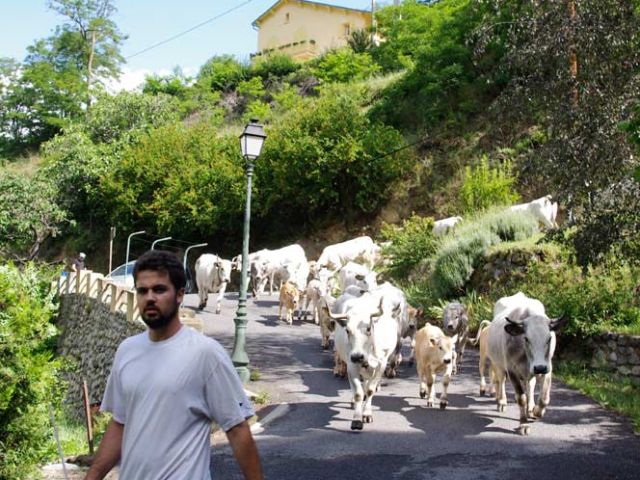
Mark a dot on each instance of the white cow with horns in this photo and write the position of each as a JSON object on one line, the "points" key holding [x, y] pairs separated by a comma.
{"points": [[213, 274], [365, 336], [520, 344]]}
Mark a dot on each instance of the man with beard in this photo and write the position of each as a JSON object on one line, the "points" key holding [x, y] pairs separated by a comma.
{"points": [[166, 386]]}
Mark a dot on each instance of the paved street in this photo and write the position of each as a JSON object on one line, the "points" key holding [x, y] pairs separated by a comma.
{"points": [[469, 440]]}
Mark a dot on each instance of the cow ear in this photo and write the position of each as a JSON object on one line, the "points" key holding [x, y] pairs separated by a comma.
{"points": [[557, 323], [433, 341], [512, 328]]}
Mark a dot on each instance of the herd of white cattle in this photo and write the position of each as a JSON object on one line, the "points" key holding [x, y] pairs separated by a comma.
{"points": [[370, 319]]}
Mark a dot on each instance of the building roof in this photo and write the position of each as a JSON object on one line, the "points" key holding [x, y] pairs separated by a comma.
{"points": [[280, 3]]}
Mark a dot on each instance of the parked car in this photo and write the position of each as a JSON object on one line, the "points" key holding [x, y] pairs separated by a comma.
{"points": [[123, 275]]}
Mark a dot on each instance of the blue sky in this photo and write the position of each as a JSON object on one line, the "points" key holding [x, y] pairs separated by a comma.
{"points": [[148, 22]]}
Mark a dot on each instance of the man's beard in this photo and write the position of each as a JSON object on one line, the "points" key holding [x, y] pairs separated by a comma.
{"points": [[160, 320]]}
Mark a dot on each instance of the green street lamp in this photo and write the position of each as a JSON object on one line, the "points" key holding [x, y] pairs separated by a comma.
{"points": [[251, 142]]}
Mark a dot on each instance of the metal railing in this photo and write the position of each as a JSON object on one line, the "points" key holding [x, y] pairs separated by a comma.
{"points": [[95, 285]]}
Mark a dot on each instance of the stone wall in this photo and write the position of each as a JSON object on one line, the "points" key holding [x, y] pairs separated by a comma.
{"points": [[616, 352], [90, 335]]}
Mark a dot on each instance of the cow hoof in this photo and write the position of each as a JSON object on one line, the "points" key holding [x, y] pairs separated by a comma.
{"points": [[390, 374], [367, 418], [524, 430], [443, 405], [217, 311], [325, 347], [537, 412], [201, 306], [356, 425], [429, 404], [423, 393], [501, 407], [482, 392]]}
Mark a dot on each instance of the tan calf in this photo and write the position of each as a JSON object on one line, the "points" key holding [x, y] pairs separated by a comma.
{"points": [[481, 338], [434, 354], [289, 296]]}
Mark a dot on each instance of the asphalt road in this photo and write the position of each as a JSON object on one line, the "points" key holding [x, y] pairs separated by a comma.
{"points": [[576, 439]]}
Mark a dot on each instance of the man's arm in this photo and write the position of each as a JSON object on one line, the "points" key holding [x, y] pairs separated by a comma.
{"points": [[108, 452], [245, 451]]}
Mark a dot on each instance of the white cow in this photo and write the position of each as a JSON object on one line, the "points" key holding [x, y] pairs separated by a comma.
{"points": [[288, 263], [365, 336], [521, 342], [440, 227], [356, 274], [360, 250], [405, 316], [314, 292], [212, 275], [543, 209]]}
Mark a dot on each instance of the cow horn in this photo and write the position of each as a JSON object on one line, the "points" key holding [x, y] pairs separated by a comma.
{"points": [[379, 312], [340, 316]]}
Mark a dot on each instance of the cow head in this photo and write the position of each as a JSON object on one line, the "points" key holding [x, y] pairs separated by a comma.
{"points": [[359, 324], [223, 268], [454, 318], [443, 347], [538, 334]]}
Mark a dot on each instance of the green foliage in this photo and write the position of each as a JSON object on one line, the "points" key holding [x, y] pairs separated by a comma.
{"points": [[456, 259], [326, 158], [360, 41], [186, 182], [613, 222], [257, 109], [484, 186], [410, 244], [345, 65], [28, 375], [28, 215], [276, 65], [222, 73], [446, 85]]}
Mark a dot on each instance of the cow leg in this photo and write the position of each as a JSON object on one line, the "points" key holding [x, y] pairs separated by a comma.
{"points": [[521, 396], [203, 296], [358, 396], [545, 396], [222, 289], [339, 366], [499, 385], [394, 360], [531, 387], [454, 361], [431, 393], [444, 398], [290, 312], [481, 366], [412, 354], [316, 316]]}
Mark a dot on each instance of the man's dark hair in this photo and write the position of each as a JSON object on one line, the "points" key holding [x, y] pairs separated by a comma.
{"points": [[161, 261]]}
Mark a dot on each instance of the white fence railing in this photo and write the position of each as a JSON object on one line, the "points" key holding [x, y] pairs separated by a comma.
{"points": [[95, 285]]}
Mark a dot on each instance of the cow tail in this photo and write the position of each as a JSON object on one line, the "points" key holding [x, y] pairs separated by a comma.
{"points": [[483, 325]]}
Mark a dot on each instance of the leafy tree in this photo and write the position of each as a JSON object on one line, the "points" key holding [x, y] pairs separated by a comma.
{"points": [[324, 158], [222, 73], [572, 66], [29, 381], [345, 65], [360, 41], [98, 39], [28, 215], [276, 65]]}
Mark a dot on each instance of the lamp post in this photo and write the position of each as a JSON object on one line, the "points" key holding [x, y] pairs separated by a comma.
{"points": [[251, 142]]}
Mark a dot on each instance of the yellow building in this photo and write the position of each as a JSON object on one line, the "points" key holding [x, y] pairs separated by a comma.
{"points": [[304, 29]]}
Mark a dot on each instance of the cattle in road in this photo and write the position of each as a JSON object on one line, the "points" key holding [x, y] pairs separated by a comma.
{"points": [[356, 274], [313, 293], [213, 274], [289, 296], [543, 209], [396, 301], [359, 250], [365, 336], [441, 227], [455, 322], [520, 344], [286, 263], [327, 326], [434, 354]]}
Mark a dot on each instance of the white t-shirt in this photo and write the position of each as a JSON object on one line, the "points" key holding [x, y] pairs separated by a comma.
{"points": [[166, 394]]}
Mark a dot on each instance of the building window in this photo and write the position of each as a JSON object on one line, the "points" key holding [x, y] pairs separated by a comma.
{"points": [[287, 17], [347, 29]]}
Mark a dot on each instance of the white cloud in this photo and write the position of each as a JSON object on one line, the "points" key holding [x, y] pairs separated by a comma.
{"points": [[132, 80]]}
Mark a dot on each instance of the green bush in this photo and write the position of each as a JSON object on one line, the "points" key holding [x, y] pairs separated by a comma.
{"points": [[345, 65], [186, 182], [325, 158], [484, 186], [277, 65], [222, 73], [28, 374], [409, 245], [453, 263]]}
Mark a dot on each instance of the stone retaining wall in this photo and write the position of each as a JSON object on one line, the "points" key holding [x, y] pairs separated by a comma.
{"points": [[90, 335], [616, 352]]}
